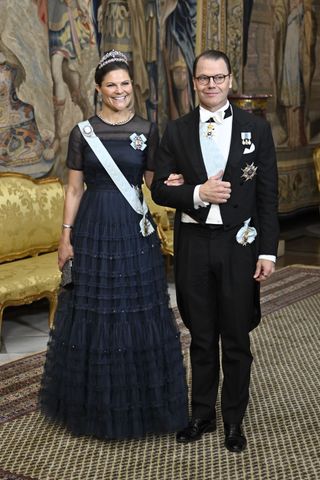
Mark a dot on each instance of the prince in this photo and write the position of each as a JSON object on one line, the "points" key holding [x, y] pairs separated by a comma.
{"points": [[226, 235]]}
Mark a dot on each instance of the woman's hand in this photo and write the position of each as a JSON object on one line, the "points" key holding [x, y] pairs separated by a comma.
{"points": [[65, 251], [174, 180]]}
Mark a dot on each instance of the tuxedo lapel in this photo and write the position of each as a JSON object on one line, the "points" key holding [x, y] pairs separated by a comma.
{"points": [[239, 125], [190, 132]]}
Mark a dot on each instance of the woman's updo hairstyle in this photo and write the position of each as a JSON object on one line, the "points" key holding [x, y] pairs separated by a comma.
{"points": [[112, 60]]}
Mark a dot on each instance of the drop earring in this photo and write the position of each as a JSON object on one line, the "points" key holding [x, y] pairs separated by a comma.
{"points": [[98, 101]]}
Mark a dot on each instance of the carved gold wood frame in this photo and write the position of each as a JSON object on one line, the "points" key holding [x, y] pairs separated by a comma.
{"points": [[51, 296]]}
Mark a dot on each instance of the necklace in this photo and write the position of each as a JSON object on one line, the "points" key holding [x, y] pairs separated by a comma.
{"points": [[121, 122]]}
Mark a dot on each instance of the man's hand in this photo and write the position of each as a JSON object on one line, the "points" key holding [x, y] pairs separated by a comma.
{"points": [[174, 180], [264, 269], [215, 190]]}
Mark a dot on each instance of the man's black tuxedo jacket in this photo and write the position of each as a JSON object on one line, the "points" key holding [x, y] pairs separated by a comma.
{"points": [[180, 152]]}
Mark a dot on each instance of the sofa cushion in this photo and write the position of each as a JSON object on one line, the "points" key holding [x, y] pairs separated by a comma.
{"points": [[29, 277]]}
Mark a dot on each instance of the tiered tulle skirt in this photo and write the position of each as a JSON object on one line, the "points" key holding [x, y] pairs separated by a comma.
{"points": [[114, 367]]}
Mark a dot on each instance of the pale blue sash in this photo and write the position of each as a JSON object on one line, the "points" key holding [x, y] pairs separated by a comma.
{"points": [[130, 193]]}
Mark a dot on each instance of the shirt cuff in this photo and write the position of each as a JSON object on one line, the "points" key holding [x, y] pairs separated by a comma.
{"points": [[268, 257], [197, 202]]}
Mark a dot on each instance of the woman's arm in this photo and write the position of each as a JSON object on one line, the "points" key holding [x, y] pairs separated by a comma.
{"points": [[174, 179], [148, 177], [74, 193]]}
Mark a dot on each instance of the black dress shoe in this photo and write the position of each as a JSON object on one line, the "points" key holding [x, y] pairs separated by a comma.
{"points": [[235, 441], [196, 428]]}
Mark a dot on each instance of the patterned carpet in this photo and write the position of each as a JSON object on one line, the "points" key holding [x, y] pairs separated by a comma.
{"points": [[282, 422]]}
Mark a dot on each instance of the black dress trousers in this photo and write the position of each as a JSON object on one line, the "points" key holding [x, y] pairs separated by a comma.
{"points": [[215, 293]]}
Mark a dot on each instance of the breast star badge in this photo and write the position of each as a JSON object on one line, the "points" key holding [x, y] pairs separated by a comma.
{"points": [[249, 171]]}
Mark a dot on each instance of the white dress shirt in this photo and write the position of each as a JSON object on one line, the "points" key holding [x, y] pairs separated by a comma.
{"points": [[215, 152]]}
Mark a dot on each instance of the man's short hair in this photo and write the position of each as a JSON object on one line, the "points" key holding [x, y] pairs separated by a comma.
{"points": [[212, 55]]}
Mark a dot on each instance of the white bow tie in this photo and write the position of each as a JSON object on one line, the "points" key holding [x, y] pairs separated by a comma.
{"points": [[217, 117]]}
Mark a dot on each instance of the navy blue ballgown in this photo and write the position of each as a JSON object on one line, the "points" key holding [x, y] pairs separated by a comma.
{"points": [[114, 367]]}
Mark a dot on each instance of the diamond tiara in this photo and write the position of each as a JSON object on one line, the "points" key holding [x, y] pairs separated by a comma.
{"points": [[113, 56]]}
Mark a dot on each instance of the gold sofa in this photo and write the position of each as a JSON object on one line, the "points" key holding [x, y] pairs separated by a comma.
{"points": [[163, 217], [30, 226]]}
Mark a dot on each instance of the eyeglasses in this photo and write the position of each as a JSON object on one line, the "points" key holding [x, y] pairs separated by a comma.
{"points": [[218, 79]]}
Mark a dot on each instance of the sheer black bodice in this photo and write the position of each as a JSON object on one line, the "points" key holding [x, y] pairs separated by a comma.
{"points": [[116, 139]]}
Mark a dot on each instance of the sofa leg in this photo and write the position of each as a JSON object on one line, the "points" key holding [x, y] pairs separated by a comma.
{"points": [[53, 301]]}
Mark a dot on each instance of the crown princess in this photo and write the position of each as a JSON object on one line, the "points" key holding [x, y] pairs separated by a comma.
{"points": [[113, 56]]}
